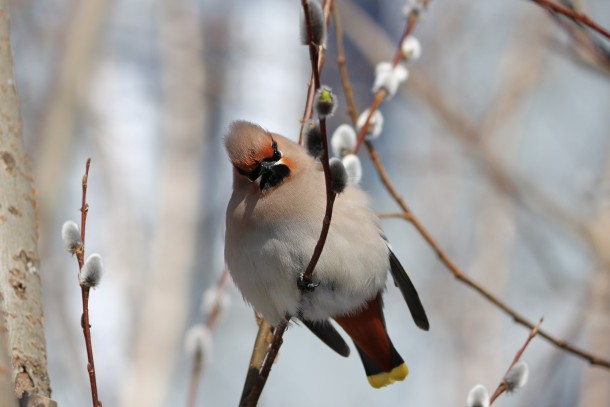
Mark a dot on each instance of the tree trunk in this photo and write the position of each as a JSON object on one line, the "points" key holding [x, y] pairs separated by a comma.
{"points": [[20, 301]]}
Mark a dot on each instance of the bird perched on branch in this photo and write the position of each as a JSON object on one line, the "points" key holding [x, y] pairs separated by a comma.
{"points": [[273, 223]]}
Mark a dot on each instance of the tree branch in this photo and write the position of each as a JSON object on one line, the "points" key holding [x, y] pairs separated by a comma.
{"points": [[408, 215], [80, 257], [305, 281], [573, 15], [502, 386]]}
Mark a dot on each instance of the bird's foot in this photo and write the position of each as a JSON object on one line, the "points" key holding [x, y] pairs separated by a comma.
{"points": [[306, 285]]}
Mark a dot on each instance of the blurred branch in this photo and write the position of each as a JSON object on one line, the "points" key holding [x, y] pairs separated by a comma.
{"points": [[21, 313], [210, 324], [502, 386], [573, 15], [178, 205], [408, 215]]}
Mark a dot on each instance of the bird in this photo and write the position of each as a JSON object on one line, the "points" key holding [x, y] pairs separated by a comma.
{"points": [[273, 222]]}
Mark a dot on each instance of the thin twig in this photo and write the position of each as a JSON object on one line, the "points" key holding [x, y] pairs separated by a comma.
{"points": [[306, 280], [256, 391], [264, 337], [381, 95], [330, 200], [573, 15], [347, 87], [502, 386], [210, 324], [80, 256], [461, 276], [451, 266], [308, 113]]}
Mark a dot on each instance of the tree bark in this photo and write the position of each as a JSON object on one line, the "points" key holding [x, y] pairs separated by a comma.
{"points": [[21, 315]]}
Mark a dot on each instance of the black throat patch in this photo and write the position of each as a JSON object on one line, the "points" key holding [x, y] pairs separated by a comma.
{"points": [[274, 176]]}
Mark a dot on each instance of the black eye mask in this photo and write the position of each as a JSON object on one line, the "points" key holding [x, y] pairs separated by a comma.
{"points": [[272, 174]]}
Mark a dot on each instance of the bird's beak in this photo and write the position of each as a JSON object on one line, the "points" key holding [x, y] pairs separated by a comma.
{"points": [[266, 166]]}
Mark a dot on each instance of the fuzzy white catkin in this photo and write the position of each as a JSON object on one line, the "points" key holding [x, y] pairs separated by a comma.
{"points": [[516, 377], [343, 140], [478, 397], [70, 234], [213, 296], [389, 78], [199, 338], [92, 271], [411, 48], [353, 167], [375, 124]]}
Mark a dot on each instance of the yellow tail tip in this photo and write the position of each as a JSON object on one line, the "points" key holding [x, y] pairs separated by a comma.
{"points": [[380, 380]]}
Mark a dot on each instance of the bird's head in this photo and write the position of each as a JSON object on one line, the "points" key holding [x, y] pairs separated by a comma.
{"points": [[256, 154]]}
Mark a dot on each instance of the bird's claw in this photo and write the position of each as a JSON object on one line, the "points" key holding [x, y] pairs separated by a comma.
{"points": [[306, 285]]}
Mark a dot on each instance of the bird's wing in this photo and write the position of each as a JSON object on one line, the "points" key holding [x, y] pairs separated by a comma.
{"points": [[404, 283], [329, 335]]}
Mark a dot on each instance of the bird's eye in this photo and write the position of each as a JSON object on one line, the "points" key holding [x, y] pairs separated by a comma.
{"points": [[277, 154]]}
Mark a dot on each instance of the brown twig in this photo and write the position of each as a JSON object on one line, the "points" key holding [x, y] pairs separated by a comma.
{"points": [[461, 276], [80, 257], [573, 15], [347, 87], [381, 95], [306, 279], [330, 200], [210, 324], [408, 215], [311, 90], [256, 391], [502, 386], [264, 337]]}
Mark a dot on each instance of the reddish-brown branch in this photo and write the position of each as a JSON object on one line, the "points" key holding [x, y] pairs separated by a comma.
{"points": [[377, 101], [502, 386], [308, 113], [330, 200], [407, 215], [411, 21], [251, 399], [553, 7], [347, 87], [461, 276], [80, 257], [278, 334], [330, 195], [381, 95]]}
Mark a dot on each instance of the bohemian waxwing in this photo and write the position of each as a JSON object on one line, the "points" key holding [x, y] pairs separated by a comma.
{"points": [[274, 220]]}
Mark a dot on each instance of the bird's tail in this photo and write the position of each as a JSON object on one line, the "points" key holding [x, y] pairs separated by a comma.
{"points": [[382, 363]]}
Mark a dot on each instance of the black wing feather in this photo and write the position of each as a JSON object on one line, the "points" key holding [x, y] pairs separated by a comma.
{"points": [[404, 283], [329, 335]]}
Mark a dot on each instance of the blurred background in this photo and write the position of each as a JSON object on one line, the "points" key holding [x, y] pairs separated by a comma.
{"points": [[499, 142]]}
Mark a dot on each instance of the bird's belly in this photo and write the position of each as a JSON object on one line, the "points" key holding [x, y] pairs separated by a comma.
{"points": [[265, 266]]}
